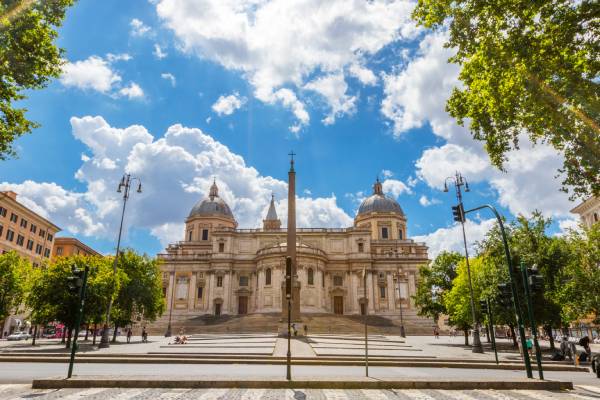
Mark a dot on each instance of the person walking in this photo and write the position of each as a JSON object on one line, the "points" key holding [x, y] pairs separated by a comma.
{"points": [[144, 335], [129, 335]]}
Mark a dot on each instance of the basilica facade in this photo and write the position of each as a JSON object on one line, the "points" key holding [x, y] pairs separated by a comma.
{"points": [[219, 269]]}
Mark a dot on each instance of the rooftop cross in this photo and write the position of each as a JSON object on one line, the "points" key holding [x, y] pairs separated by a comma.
{"points": [[292, 154]]}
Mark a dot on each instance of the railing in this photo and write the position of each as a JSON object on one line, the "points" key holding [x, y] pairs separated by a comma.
{"points": [[298, 230], [184, 257], [283, 249]]}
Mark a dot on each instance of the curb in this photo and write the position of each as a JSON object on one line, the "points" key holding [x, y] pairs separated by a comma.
{"points": [[153, 383]]}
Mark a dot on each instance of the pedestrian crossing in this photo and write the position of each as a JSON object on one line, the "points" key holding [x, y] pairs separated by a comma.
{"points": [[24, 391]]}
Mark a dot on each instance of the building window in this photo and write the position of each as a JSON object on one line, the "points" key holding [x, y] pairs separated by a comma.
{"points": [[381, 275], [10, 235], [33, 228], [204, 234], [23, 223], [42, 233], [189, 236], [243, 281], [311, 276], [200, 291], [50, 237], [59, 251], [400, 236], [20, 240], [47, 253], [384, 232], [268, 276], [219, 281], [14, 217], [595, 217], [38, 249], [361, 247], [338, 280], [221, 247], [382, 292], [29, 244], [1, 229], [3, 211]]}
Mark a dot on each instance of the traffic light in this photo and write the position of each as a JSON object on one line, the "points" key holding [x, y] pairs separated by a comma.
{"points": [[505, 298], [75, 281], [536, 281], [459, 213], [484, 307]]}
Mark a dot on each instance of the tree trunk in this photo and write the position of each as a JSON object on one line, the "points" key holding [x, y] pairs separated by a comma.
{"points": [[34, 335], [70, 334], [95, 333], [64, 335], [466, 331], [114, 339], [487, 335], [513, 335], [548, 330], [87, 328]]}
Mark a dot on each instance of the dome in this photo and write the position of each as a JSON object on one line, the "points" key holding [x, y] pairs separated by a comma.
{"points": [[213, 205], [379, 202]]}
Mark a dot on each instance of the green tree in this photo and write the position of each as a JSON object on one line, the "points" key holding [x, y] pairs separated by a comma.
{"points": [[528, 68], [13, 273], [141, 292], [579, 283], [29, 58], [435, 280]]}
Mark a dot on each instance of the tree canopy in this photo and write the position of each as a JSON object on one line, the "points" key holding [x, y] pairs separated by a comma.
{"points": [[13, 284], [29, 58], [528, 69]]}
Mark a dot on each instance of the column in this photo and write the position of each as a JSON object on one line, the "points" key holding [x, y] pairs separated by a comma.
{"points": [[411, 289], [170, 290], [226, 292], [371, 292], [352, 292], [390, 292], [192, 292]]}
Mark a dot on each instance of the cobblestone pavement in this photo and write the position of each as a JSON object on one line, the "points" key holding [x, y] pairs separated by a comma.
{"points": [[20, 391]]}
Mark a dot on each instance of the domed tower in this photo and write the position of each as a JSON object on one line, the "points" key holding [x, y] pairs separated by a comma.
{"points": [[382, 215], [207, 215]]}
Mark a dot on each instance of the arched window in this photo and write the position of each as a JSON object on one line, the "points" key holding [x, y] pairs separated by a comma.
{"points": [[311, 276], [400, 234], [268, 276]]}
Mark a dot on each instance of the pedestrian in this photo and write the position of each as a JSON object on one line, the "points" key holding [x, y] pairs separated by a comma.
{"points": [[529, 344], [295, 330], [144, 335], [129, 335], [436, 332], [305, 330]]}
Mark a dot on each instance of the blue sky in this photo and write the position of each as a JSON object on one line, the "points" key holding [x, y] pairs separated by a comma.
{"points": [[353, 87]]}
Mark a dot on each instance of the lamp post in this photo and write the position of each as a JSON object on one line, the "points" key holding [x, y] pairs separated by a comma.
{"points": [[168, 332], [124, 187], [459, 181], [402, 331]]}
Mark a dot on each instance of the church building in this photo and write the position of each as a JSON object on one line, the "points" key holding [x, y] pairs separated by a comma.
{"points": [[219, 269]]}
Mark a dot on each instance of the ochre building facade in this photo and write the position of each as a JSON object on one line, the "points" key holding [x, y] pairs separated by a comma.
{"points": [[219, 269]]}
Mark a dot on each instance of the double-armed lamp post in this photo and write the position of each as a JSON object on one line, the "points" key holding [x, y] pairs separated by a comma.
{"points": [[124, 187], [459, 182]]}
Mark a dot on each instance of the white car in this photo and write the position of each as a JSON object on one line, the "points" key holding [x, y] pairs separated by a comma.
{"points": [[19, 336]]}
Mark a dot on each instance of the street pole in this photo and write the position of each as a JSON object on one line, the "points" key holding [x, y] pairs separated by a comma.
{"points": [[538, 352], [402, 331], [492, 332], [288, 295], [458, 182], [124, 184], [513, 285], [168, 332], [80, 305], [365, 320]]}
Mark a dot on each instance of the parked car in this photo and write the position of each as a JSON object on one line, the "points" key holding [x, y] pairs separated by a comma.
{"points": [[19, 336]]}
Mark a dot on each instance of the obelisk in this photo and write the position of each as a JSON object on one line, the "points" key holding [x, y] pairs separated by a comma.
{"points": [[291, 239]]}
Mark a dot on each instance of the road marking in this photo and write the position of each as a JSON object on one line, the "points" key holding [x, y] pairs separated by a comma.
{"points": [[173, 394], [213, 394], [495, 394], [335, 394], [128, 394], [252, 394], [83, 394], [457, 394], [373, 394], [416, 394]]}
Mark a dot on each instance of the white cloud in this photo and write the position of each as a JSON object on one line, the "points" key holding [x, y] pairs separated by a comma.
{"points": [[138, 28], [118, 57], [386, 173], [158, 52], [226, 105], [133, 91], [450, 239], [168, 76], [364, 75], [93, 73], [395, 187], [264, 41], [425, 202], [182, 162], [333, 88], [288, 99]]}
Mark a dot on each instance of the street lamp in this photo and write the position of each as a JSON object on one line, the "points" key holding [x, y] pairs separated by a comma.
{"points": [[459, 181], [402, 331], [124, 187]]}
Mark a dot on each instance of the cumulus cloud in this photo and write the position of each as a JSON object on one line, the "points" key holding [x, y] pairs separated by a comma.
{"points": [[133, 91], [395, 187], [138, 28], [226, 105], [93, 73], [264, 41], [333, 88], [450, 239], [158, 52], [182, 163], [169, 77], [425, 202]]}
